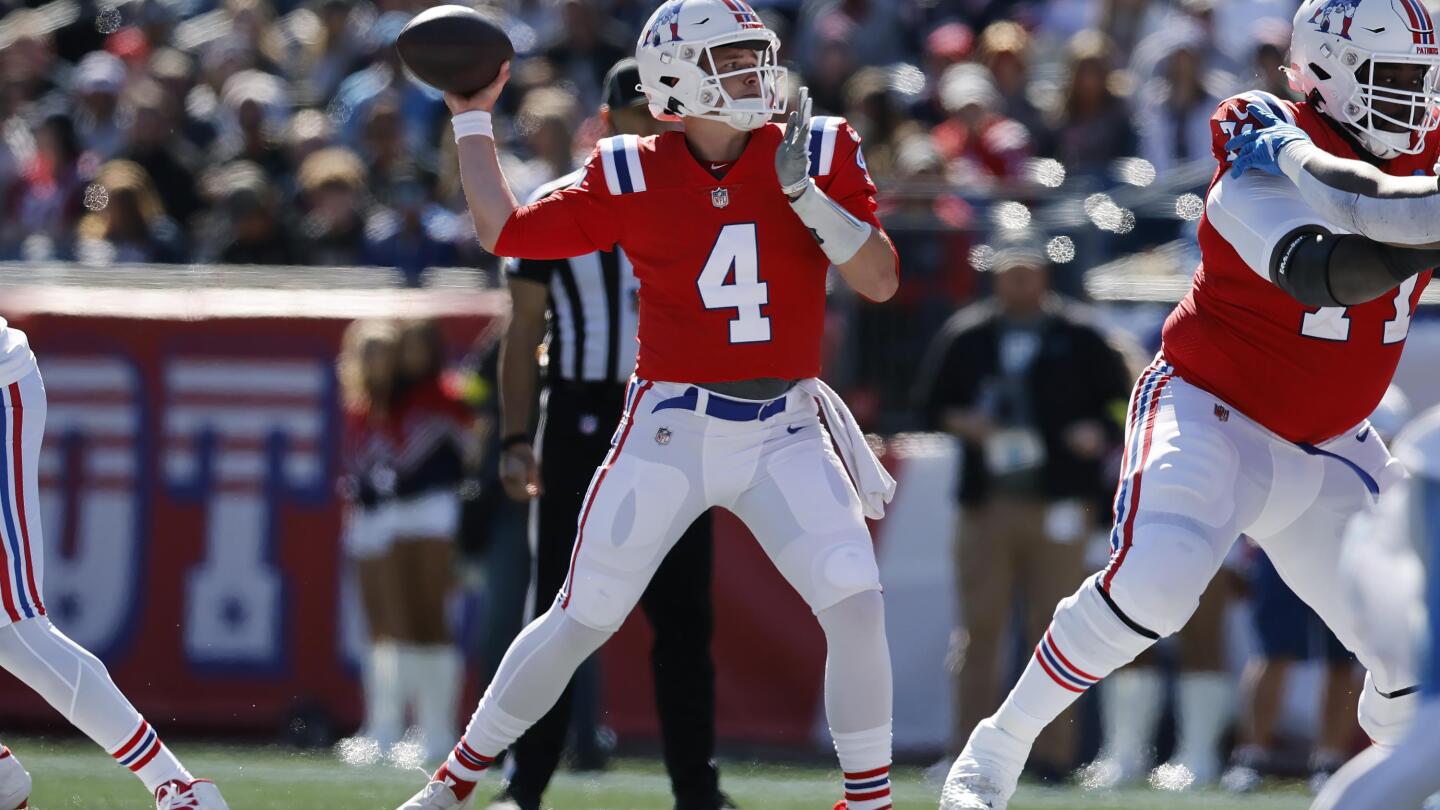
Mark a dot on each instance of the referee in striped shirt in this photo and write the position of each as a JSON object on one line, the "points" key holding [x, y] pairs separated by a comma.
{"points": [[584, 309]]}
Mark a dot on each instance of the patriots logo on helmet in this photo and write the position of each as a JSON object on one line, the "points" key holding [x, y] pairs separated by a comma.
{"points": [[1325, 14], [669, 16]]}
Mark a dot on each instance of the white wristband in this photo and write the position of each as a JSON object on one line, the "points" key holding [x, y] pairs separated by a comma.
{"points": [[474, 122], [840, 234]]}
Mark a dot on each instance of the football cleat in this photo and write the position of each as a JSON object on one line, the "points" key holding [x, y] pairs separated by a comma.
{"points": [[985, 774], [200, 794], [14, 782], [444, 791]]}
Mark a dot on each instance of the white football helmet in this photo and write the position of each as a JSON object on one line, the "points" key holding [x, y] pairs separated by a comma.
{"points": [[1335, 50], [677, 67]]}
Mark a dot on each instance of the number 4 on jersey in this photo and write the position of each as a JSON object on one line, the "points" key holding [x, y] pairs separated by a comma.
{"points": [[735, 249]]}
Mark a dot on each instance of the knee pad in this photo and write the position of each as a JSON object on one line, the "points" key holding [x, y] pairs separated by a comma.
{"points": [[839, 571], [1386, 717], [1158, 581]]}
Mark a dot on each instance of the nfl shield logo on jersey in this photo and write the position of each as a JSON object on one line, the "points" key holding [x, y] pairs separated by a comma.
{"points": [[662, 436], [1222, 413], [720, 197]]}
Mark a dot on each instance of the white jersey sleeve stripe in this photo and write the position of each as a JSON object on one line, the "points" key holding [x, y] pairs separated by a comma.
{"points": [[1254, 211], [632, 161], [607, 162]]}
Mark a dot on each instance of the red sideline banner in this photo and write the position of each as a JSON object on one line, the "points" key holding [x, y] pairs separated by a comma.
{"points": [[187, 491]]}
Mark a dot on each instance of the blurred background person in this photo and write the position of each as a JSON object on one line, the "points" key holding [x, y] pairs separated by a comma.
{"points": [[170, 161], [97, 84], [45, 203], [980, 144], [366, 369], [333, 206], [436, 446], [1092, 126], [252, 228], [127, 224], [1036, 396]]}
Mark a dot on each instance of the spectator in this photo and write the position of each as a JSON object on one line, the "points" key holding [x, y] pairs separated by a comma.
{"points": [[875, 113], [29, 70], [411, 235], [1092, 127], [174, 71], [256, 106], [1005, 51], [1033, 391], [979, 145], [421, 109], [253, 231], [332, 191], [98, 80], [547, 118], [168, 159], [308, 132], [130, 225], [44, 205], [1175, 110], [333, 48], [587, 45], [834, 64], [872, 31], [383, 145], [1268, 64]]}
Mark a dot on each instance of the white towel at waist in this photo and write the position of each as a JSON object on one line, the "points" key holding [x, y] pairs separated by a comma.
{"points": [[872, 481]]}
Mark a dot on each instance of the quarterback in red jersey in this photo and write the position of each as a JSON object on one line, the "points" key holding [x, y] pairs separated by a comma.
{"points": [[1321, 225], [731, 224]]}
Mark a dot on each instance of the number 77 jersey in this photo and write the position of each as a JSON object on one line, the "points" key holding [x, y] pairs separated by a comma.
{"points": [[732, 284], [1305, 373]]}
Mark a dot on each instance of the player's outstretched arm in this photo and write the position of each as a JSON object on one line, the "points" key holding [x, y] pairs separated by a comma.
{"points": [[1350, 194], [862, 253], [486, 190]]}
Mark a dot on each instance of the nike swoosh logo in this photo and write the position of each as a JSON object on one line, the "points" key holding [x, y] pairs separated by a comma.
{"points": [[1381, 29], [1363, 435], [793, 430], [715, 167]]}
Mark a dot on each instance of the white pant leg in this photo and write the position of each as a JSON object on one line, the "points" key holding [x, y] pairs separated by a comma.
{"points": [[22, 426], [649, 489]]}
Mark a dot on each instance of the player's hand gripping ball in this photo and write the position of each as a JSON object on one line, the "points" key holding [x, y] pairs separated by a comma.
{"points": [[792, 159], [1260, 148], [454, 49]]}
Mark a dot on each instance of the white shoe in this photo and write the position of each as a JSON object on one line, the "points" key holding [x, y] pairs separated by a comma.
{"points": [[442, 793], [14, 782], [986, 773], [200, 794]]}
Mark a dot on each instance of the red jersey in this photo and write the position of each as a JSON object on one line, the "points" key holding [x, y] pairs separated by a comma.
{"points": [[1305, 373], [732, 284]]}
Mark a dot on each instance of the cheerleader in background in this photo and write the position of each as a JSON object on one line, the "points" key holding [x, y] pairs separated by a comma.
{"points": [[367, 373], [437, 444]]}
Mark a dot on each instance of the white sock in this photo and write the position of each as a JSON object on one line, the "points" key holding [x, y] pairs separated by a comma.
{"points": [[1130, 711], [148, 758], [1204, 709], [438, 702], [385, 720], [865, 760], [411, 671]]}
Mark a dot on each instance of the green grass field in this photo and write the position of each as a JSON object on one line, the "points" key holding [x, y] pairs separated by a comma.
{"points": [[72, 774]]}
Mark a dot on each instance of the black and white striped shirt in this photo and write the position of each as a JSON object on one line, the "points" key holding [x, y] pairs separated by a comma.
{"points": [[593, 310]]}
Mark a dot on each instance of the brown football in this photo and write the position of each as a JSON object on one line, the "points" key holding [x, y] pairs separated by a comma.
{"points": [[454, 48]]}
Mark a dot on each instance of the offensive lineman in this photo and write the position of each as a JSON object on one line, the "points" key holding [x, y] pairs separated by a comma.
{"points": [[34, 650], [1252, 418], [731, 226]]}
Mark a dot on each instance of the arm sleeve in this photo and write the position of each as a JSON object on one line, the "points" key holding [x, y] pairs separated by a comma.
{"points": [[1255, 212], [1361, 199], [573, 221], [848, 182]]}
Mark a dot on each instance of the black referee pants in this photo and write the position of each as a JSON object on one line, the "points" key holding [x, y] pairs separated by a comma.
{"points": [[576, 427]]}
